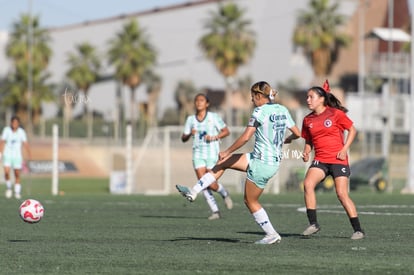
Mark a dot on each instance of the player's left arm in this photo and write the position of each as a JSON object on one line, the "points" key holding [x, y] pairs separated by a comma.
{"points": [[28, 151], [348, 141], [224, 132], [240, 141], [295, 134]]}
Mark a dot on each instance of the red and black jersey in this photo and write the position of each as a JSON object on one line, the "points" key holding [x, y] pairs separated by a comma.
{"points": [[326, 133]]}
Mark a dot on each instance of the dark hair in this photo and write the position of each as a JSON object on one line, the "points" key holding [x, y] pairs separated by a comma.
{"points": [[203, 95], [15, 118], [330, 99]]}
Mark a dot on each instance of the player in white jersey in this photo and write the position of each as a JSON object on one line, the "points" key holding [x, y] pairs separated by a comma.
{"points": [[13, 138], [268, 123], [206, 129]]}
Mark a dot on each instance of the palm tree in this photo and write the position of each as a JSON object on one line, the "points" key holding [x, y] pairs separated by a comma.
{"points": [[317, 32], [153, 87], [131, 54], [229, 44], [184, 96], [83, 72], [30, 54]]}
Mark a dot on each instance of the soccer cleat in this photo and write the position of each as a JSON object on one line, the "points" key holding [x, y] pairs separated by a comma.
{"points": [[17, 196], [228, 202], [311, 229], [214, 216], [270, 239], [9, 193], [185, 191], [357, 235]]}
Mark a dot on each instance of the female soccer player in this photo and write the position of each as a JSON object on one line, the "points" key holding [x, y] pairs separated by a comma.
{"points": [[12, 140], [323, 130], [207, 129], [268, 123]]}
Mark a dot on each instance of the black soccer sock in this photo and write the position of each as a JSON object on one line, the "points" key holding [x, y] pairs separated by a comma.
{"points": [[311, 213], [355, 224]]}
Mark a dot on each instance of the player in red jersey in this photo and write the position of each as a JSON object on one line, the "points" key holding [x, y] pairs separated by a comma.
{"points": [[323, 130]]}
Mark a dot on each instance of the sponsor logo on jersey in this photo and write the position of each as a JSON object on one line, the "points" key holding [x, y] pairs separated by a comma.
{"points": [[275, 117]]}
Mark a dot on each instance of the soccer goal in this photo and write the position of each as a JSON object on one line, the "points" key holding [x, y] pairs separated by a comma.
{"points": [[162, 160]]}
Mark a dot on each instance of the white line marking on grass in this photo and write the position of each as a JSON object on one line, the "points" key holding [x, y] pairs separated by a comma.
{"points": [[303, 209]]}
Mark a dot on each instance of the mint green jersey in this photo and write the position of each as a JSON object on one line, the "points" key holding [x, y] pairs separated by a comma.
{"points": [[271, 122], [211, 125], [13, 141]]}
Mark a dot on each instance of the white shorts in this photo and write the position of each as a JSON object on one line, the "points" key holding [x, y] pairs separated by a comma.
{"points": [[15, 162]]}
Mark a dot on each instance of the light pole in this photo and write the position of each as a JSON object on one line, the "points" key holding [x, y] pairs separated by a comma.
{"points": [[30, 70], [409, 187], [361, 72]]}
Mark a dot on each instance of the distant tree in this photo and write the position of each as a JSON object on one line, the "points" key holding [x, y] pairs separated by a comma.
{"points": [[228, 43], [153, 86], [318, 32], [131, 53], [84, 66], [184, 97], [28, 49]]}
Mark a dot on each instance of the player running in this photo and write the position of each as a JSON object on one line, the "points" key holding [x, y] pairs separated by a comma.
{"points": [[207, 129]]}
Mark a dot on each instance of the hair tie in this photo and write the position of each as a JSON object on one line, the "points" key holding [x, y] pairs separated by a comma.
{"points": [[272, 95], [326, 86]]}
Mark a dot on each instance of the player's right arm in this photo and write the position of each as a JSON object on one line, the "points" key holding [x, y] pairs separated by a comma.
{"points": [[188, 130], [3, 140]]}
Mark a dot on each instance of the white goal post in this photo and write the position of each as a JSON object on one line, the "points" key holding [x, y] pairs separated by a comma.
{"points": [[162, 160]]}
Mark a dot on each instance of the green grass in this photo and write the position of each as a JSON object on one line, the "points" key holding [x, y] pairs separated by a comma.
{"points": [[87, 233]]}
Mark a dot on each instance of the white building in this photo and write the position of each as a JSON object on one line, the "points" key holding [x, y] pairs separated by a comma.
{"points": [[175, 31]]}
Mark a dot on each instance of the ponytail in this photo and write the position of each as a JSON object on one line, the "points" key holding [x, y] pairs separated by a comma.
{"points": [[330, 99]]}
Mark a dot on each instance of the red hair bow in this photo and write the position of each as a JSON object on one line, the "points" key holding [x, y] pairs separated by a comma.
{"points": [[326, 86]]}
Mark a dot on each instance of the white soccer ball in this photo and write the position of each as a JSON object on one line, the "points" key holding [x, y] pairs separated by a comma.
{"points": [[31, 211]]}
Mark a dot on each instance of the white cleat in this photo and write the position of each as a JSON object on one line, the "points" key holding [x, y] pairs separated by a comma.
{"points": [[311, 229], [357, 235], [214, 216], [9, 193], [270, 239], [185, 191], [228, 202]]}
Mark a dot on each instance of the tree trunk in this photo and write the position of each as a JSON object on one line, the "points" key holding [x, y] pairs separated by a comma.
{"points": [[321, 61], [229, 105], [152, 107]]}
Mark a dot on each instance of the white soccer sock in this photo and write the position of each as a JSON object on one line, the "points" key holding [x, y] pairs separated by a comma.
{"points": [[211, 201], [263, 221], [222, 191], [203, 183], [9, 184], [17, 188]]}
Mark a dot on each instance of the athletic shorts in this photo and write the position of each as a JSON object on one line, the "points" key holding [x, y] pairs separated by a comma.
{"points": [[259, 172], [335, 170], [14, 162], [208, 163]]}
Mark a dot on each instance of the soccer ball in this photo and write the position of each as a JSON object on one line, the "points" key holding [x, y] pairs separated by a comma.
{"points": [[31, 211]]}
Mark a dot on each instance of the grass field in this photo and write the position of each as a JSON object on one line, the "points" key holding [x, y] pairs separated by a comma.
{"points": [[87, 231]]}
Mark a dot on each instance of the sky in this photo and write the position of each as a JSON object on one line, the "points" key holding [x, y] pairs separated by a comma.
{"points": [[55, 13]]}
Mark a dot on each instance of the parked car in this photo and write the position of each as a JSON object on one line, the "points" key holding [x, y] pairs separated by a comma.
{"points": [[372, 171]]}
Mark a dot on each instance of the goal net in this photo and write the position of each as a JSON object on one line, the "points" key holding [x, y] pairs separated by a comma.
{"points": [[163, 160]]}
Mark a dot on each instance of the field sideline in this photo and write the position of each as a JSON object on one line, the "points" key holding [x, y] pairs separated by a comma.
{"points": [[98, 233]]}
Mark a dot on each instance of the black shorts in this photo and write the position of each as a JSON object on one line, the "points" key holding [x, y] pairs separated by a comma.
{"points": [[335, 170]]}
